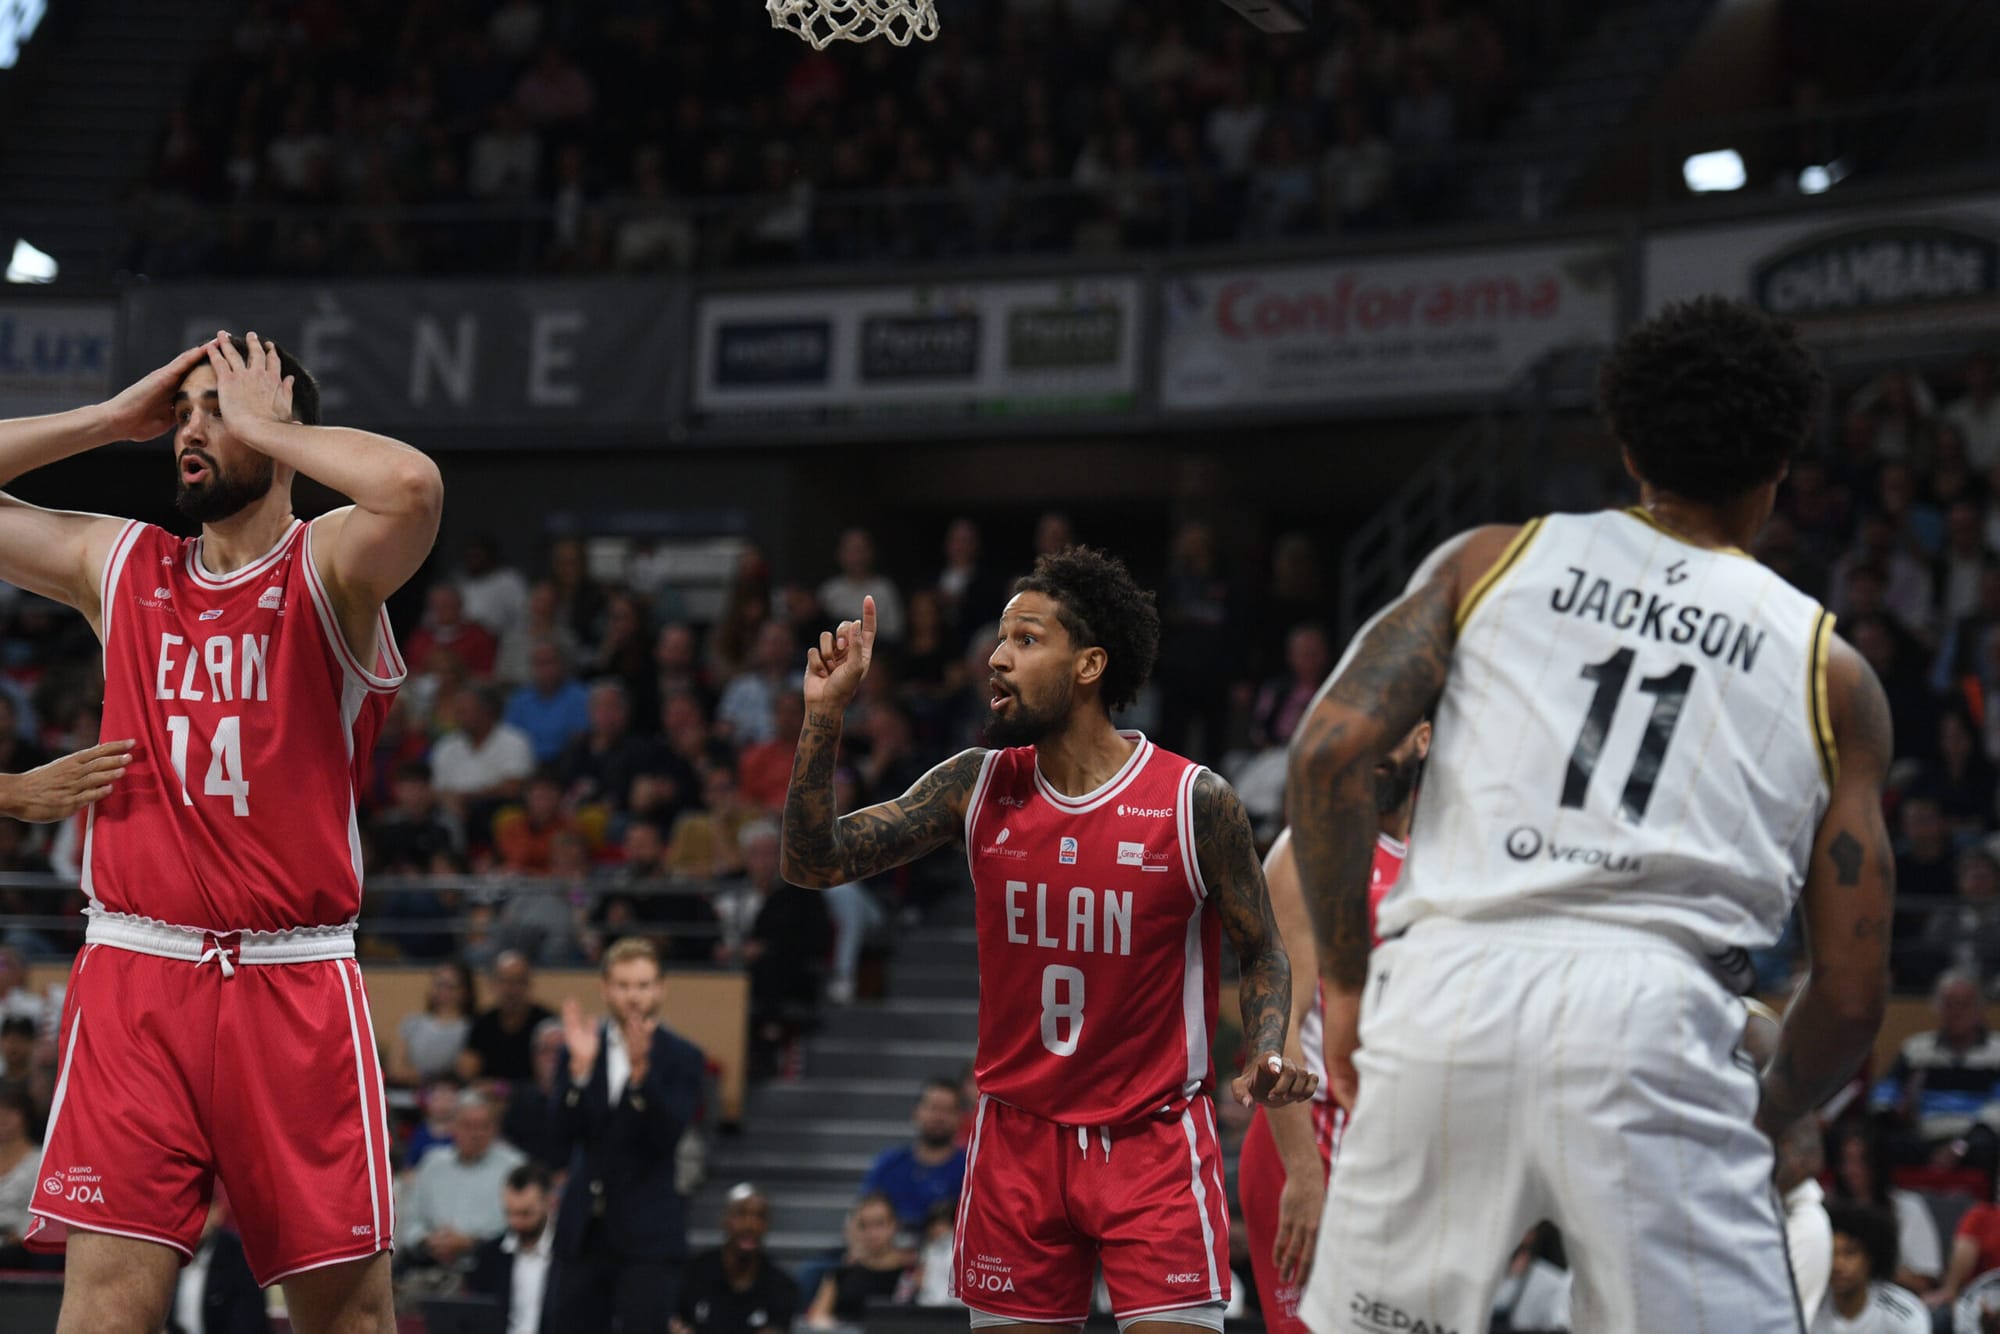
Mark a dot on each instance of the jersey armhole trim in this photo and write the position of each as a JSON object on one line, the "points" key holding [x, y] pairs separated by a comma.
{"points": [[385, 640], [107, 582], [1819, 715], [1190, 849], [1508, 559], [972, 805]]}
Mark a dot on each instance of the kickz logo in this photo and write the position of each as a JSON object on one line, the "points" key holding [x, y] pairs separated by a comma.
{"points": [[1185, 1278], [79, 1185], [1066, 854], [159, 598], [1382, 1318], [997, 847], [1013, 803]]}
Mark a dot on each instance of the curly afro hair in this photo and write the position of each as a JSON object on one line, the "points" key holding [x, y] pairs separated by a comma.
{"points": [[1101, 606], [1711, 397]]}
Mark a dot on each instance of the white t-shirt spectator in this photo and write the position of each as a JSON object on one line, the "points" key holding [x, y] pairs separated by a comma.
{"points": [[497, 599], [504, 163], [447, 1192], [840, 600], [17, 1191], [1890, 1310], [1359, 175], [458, 765], [1981, 428], [1917, 1246], [1232, 135]]}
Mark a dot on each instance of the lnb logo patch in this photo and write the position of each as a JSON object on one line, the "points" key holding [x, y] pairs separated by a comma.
{"points": [[1067, 853]]}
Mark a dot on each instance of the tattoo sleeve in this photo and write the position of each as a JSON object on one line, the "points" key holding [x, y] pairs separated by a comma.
{"points": [[1227, 854], [1395, 672], [821, 851]]}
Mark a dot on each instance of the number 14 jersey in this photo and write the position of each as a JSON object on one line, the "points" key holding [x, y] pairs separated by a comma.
{"points": [[1097, 945], [255, 725], [1634, 729]]}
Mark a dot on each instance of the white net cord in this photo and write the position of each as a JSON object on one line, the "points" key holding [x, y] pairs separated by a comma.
{"points": [[823, 22]]}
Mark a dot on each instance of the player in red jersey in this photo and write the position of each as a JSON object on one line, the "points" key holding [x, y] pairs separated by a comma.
{"points": [[1281, 1177], [215, 1024], [1104, 870]]}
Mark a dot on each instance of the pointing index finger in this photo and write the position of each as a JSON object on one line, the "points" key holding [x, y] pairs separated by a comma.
{"points": [[868, 619]]}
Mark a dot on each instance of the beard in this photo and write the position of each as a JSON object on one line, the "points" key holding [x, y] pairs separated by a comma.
{"points": [[1026, 725], [1393, 788], [222, 495]]}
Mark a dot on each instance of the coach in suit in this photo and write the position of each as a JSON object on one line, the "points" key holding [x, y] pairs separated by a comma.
{"points": [[631, 1090]]}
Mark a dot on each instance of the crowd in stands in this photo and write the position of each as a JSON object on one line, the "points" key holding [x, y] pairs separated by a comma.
{"points": [[644, 137]]}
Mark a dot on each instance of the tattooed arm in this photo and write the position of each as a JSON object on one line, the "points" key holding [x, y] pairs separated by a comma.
{"points": [[820, 851], [1226, 852], [1849, 897], [1392, 673]]}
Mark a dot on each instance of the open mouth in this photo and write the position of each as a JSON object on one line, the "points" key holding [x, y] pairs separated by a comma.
{"points": [[1001, 696], [193, 469]]}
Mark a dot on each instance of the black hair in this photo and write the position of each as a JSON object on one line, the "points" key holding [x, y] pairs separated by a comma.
{"points": [[14, 1093], [305, 389], [526, 1175], [1875, 1147], [1101, 606], [1873, 1230], [20, 1025], [950, 1086], [1711, 397]]}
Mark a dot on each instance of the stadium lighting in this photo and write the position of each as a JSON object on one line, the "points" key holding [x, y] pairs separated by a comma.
{"points": [[1818, 180], [18, 21], [30, 265], [1707, 173]]}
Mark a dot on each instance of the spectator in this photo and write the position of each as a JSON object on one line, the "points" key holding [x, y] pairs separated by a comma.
{"points": [[737, 1288], [840, 597], [1860, 1298], [929, 1284], [1966, 660], [706, 843], [967, 592], [216, 1292], [429, 1041], [765, 768], [529, 1123], [1196, 612], [1977, 414], [16, 997], [501, 1042], [440, 1108], [1963, 562], [485, 761], [490, 593], [445, 627], [1534, 1292], [1908, 597], [1896, 405], [1360, 171], [600, 766], [579, 599], [540, 623], [1925, 870], [454, 1203], [786, 948], [677, 665], [1913, 710], [1943, 1079], [542, 921], [642, 884], [525, 835], [1968, 932], [513, 1269], [1963, 779], [748, 709], [915, 1176], [415, 828], [20, 1170], [1975, 1253], [1234, 128], [1282, 702], [552, 709], [555, 91], [1861, 1177], [17, 1048], [871, 1268], [634, 1089]]}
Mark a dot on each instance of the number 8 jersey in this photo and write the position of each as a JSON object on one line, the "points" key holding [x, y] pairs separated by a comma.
{"points": [[255, 726], [1634, 729], [1097, 944]]}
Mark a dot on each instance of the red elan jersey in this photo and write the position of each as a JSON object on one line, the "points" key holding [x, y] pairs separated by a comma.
{"points": [[1097, 946], [1389, 855], [254, 724]]}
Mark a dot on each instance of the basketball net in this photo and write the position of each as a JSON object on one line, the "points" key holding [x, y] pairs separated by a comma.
{"points": [[824, 22]]}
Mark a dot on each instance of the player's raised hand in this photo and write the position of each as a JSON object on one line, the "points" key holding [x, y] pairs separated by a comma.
{"points": [[1274, 1081], [580, 1036], [145, 408], [251, 388], [61, 788], [835, 665]]}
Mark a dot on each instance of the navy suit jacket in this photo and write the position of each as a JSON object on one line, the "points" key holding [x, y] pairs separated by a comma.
{"points": [[620, 1199]]}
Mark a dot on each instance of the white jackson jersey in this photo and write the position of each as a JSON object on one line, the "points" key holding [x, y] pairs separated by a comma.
{"points": [[1633, 729]]}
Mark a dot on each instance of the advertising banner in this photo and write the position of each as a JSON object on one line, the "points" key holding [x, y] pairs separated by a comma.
{"points": [[1040, 346], [506, 356], [1444, 325], [55, 355], [1924, 267]]}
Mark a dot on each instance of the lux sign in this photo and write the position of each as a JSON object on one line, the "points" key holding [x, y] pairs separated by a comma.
{"points": [[18, 19]]}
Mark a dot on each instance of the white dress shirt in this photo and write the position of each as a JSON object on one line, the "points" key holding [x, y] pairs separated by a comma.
{"points": [[531, 1278]]}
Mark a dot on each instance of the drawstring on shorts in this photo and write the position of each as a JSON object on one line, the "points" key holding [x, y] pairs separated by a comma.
{"points": [[1083, 1141], [219, 949]]}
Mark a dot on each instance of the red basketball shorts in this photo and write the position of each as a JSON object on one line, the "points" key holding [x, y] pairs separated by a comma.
{"points": [[175, 1074], [1045, 1203], [1260, 1181]]}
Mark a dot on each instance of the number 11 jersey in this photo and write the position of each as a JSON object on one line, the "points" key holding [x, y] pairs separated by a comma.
{"points": [[1634, 729], [255, 727], [1097, 944]]}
